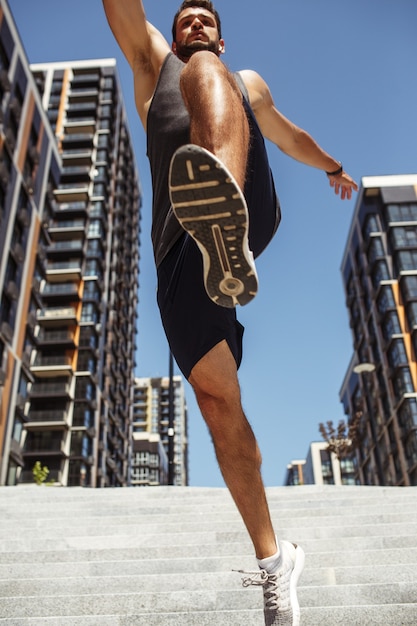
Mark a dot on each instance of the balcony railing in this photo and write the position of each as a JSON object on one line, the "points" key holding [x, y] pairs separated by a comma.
{"points": [[60, 289], [56, 336], [52, 361], [54, 313], [47, 416]]}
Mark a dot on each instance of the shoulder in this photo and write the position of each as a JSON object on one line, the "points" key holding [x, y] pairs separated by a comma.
{"points": [[258, 89]]}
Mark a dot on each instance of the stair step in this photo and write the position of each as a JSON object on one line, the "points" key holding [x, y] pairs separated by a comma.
{"points": [[164, 556]]}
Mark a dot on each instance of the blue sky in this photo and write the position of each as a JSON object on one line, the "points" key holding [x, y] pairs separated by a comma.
{"points": [[347, 73]]}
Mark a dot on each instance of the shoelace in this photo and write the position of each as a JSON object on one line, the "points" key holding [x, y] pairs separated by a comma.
{"points": [[261, 578], [258, 578]]}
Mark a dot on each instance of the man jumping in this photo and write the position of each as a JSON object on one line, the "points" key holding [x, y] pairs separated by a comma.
{"points": [[214, 211]]}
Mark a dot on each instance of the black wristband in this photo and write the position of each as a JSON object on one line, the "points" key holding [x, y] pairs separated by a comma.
{"points": [[336, 172]]}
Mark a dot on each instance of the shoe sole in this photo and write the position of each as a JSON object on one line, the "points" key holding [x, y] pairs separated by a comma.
{"points": [[210, 206], [295, 576]]}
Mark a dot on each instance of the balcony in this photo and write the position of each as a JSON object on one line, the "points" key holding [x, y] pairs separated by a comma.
{"points": [[52, 366], [77, 156], [64, 246], [47, 447], [60, 228], [60, 270], [42, 419], [66, 209], [74, 192], [52, 291], [56, 316], [83, 94], [58, 338], [50, 390], [78, 140], [81, 125]]}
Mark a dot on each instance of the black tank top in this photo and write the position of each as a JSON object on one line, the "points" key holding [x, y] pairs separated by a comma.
{"points": [[168, 128]]}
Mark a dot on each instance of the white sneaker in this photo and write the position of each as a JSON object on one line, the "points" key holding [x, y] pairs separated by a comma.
{"points": [[210, 206], [281, 606]]}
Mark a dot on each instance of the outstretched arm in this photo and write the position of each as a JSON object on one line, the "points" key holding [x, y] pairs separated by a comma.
{"points": [[291, 139], [142, 44]]}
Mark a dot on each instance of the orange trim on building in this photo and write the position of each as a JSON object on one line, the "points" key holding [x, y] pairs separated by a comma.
{"points": [[61, 111], [5, 397], [406, 333], [32, 251], [26, 123]]}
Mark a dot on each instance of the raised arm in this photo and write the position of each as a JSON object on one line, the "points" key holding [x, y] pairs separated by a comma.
{"points": [[142, 44], [291, 139]]}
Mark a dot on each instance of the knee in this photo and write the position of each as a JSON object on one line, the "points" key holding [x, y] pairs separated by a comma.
{"points": [[202, 66]]}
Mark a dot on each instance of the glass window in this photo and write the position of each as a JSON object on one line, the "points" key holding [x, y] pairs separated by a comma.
{"points": [[403, 237], [391, 325], [89, 313], [409, 288], [376, 250], [411, 310], [379, 273], [397, 354], [402, 383], [371, 225], [411, 448], [402, 212], [95, 228], [406, 260]]}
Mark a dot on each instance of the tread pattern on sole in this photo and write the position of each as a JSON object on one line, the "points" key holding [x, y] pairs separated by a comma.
{"points": [[210, 206]]}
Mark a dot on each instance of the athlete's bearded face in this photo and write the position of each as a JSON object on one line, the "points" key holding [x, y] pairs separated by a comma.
{"points": [[196, 30]]}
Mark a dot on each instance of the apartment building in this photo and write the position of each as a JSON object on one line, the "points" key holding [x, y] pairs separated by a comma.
{"points": [[379, 272], [29, 172], [160, 416], [70, 404], [321, 467]]}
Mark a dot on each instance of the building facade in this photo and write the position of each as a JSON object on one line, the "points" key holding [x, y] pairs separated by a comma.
{"points": [[151, 423], [29, 172], [70, 407], [321, 467], [379, 272]]}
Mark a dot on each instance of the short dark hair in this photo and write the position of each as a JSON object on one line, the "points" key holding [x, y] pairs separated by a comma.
{"points": [[204, 4]]}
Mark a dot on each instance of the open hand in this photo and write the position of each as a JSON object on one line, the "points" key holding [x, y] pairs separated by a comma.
{"points": [[343, 184]]}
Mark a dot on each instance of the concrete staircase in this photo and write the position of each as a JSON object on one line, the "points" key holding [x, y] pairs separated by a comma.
{"points": [[164, 556]]}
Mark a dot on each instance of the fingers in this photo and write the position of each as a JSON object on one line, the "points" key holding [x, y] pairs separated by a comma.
{"points": [[343, 186]]}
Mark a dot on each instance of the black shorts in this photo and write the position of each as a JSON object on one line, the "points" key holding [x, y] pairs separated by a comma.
{"points": [[193, 323]]}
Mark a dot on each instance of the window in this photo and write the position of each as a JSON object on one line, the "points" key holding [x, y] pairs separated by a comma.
{"points": [[409, 288], [371, 225], [411, 448], [89, 313], [80, 444], [403, 237], [95, 228], [93, 268], [406, 260], [391, 325], [411, 311], [402, 383], [397, 354], [379, 273], [140, 473], [376, 250], [401, 212]]}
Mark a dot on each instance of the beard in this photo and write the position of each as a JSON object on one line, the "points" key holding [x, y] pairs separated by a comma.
{"points": [[186, 51]]}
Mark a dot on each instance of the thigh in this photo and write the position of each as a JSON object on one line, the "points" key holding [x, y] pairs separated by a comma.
{"points": [[193, 323], [216, 373]]}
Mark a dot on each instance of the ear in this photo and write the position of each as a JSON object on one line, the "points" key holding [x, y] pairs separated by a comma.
{"points": [[222, 47], [174, 48]]}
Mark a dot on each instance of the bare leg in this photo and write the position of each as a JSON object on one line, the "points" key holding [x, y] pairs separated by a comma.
{"points": [[217, 118], [215, 383]]}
